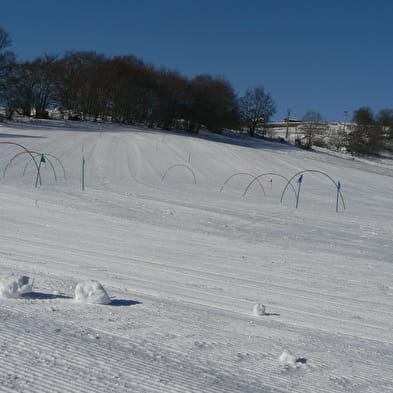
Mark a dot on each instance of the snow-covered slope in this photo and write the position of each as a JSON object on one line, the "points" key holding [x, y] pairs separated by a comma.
{"points": [[185, 265]]}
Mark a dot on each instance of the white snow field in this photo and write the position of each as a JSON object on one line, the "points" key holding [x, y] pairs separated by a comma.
{"points": [[184, 264]]}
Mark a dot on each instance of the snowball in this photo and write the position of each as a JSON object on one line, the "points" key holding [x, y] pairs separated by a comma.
{"points": [[91, 292], [258, 309], [15, 286], [287, 359]]}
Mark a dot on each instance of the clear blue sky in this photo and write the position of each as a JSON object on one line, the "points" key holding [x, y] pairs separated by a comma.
{"points": [[329, 56]]}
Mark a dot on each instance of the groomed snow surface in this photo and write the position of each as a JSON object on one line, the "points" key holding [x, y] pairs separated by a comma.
{"points": [[145, 285]]}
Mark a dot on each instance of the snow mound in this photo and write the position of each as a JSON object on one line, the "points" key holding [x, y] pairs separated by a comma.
{"points": [[92, 292], [287, 358], [15, 286], [259, 309]]}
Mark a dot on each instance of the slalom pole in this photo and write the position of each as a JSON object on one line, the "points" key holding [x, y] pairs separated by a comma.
{"points": [[338, 192], [42, 160], [83, 172], [299, 181]]}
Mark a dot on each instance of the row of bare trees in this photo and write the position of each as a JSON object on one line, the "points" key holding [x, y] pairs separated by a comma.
{"points": [[371, 133], [368, 133], [90, 86], [124, 89]]}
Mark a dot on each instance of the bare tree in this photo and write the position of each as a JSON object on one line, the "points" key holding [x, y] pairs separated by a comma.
{"points": [[385, 119], [5, 39], [44, 73], [366, 136], [256, 108], [312, 116], [31, 86], [169, 92], [7, 62], [210, 102], [311, 127], [337, 139], [79, 87]]}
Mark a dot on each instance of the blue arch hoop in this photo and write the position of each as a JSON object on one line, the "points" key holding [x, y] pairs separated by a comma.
{"points": [[338, 188]]}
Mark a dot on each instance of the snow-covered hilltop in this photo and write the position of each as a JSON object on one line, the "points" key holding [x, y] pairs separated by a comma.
{"points": [[209, 290]]}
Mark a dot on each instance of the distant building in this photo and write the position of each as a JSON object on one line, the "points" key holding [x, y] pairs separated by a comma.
{"points": [[292, 120]]}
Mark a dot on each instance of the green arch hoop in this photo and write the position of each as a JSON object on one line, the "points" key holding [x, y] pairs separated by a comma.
{"points": [[46, 159], [268, 174], [243, 174], [176, 165], [31, 155], [47, 155], [36, 154]]}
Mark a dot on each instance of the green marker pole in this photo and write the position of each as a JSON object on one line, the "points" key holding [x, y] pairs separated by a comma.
{"points": [[42, 160], [83, 172]]}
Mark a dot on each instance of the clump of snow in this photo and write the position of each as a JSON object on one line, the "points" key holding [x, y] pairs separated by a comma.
{"points": [[287, 358], [259, 309], [15, 286], [92, 292]]}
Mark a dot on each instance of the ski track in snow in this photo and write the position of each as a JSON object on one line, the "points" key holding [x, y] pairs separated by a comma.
{"points": [[185, 264]]}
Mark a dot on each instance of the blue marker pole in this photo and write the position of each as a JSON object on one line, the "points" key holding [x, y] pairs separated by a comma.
{"points": [[299, 182], [338, 192], [83, 172]]}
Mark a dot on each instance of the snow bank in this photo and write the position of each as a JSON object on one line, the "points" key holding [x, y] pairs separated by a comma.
{"points": [[91, 292], [15, 286]]}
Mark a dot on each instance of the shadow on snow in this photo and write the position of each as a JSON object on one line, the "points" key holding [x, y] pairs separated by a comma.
{"points": [[123, 302], [44, 296]]}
